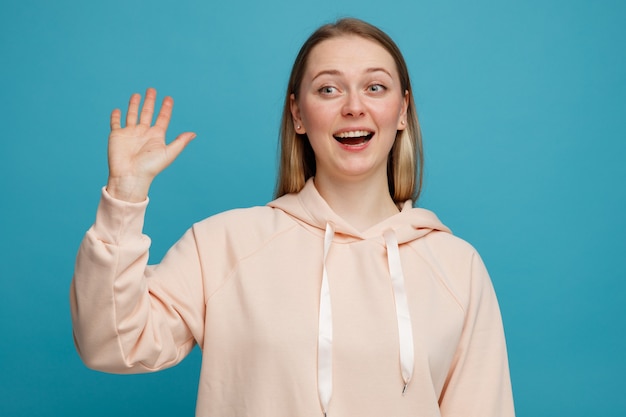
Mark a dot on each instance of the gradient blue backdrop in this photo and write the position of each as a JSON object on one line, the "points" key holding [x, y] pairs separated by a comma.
{"points": [[522, 106]]}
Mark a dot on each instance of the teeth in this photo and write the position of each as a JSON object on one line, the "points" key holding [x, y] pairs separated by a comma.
{"points": [[353, 134]]}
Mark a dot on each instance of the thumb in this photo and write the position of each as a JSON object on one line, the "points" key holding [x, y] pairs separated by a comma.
{"points": [[177, 145]]}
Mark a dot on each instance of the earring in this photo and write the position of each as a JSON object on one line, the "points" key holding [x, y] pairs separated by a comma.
{"points": [[298, 127], [402, 122]]}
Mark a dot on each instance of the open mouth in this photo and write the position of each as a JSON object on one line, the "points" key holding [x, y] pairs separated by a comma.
{"points": [[354, 138]]}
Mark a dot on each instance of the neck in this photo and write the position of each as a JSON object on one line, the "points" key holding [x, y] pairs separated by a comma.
{"points": [[361, 203]]}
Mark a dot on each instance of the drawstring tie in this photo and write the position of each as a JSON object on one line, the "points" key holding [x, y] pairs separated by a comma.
{"points": [[325, 332], [405, 330]]}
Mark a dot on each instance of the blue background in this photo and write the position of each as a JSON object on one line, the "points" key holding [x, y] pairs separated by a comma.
{"points": [[522, 106]]}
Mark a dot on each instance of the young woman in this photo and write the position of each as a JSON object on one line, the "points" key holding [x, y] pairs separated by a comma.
{"points": [[338, 298]]}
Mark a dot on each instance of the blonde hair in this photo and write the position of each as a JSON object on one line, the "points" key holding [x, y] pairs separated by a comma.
{"points": [[297, 160]]}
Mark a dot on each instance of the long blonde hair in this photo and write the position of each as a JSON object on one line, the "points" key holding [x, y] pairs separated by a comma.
{"points": [[297, 160]]}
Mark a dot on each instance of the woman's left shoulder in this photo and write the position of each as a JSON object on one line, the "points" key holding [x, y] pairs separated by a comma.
{"points": [[450, 254], [447, 242]]}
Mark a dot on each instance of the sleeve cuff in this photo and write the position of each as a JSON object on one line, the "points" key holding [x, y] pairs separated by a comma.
{"points": [[119, 221]]}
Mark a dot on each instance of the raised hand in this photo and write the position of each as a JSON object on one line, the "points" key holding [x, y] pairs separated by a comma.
{"points": [[138, 152]]}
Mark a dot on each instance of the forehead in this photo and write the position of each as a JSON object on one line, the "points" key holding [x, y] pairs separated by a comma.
{"points": [[349, 53]]}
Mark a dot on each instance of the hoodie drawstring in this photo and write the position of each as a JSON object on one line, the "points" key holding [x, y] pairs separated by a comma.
{"points": [[405, 329], [325, 332]]}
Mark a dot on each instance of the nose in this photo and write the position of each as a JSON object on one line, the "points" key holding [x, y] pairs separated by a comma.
{"points": [[353, 106]]}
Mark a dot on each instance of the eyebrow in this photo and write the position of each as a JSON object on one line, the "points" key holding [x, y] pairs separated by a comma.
{"points": [[337, 72]]}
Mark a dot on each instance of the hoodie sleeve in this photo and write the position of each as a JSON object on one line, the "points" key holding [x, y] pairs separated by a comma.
{"points": [[129, 317], [479, 384]]}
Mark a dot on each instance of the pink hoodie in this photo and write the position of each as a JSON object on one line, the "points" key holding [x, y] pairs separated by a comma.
{"points": [[297, 313]]}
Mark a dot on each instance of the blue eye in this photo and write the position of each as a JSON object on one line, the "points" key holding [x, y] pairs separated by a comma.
{"points": [[376, 88], [327, 90]]}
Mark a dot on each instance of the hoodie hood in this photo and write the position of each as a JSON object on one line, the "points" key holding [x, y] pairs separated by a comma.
{"points": [[310, 208]]}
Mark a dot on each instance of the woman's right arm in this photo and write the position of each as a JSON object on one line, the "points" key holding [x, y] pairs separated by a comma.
{"points": [[128, 316]]}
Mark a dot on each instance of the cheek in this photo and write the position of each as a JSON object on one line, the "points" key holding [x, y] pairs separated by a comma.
{"points": [[316, 118], [391, 112]]}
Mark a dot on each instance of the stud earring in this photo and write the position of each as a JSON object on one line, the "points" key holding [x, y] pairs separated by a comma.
{"points": [[298, 127], [402, 122]]}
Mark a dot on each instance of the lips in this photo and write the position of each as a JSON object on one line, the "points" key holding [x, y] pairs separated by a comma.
{"points": [[353, 137]]}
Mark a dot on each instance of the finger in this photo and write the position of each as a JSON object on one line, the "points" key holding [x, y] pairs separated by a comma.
{"points": [[148, 107], [133, 110], [177, 145], [163, 119], [116, 116]]}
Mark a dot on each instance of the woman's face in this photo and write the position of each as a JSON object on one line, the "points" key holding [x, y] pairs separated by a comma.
{"points": [[350, 105]]}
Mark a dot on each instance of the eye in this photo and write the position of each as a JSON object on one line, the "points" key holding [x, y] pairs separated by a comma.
{"points": [[327, 90], [376, 88]]}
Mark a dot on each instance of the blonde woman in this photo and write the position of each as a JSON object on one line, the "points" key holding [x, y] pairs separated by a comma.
{"points": [[337, 299]]}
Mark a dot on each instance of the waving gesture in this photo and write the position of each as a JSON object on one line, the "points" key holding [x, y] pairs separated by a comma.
{"points": [[138, 152]]}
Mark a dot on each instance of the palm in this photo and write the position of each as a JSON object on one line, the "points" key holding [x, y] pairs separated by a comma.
{"points": [[137, 151]]}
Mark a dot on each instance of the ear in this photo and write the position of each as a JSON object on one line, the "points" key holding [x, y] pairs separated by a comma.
{"points": [[295, 115], [402, 121]]}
